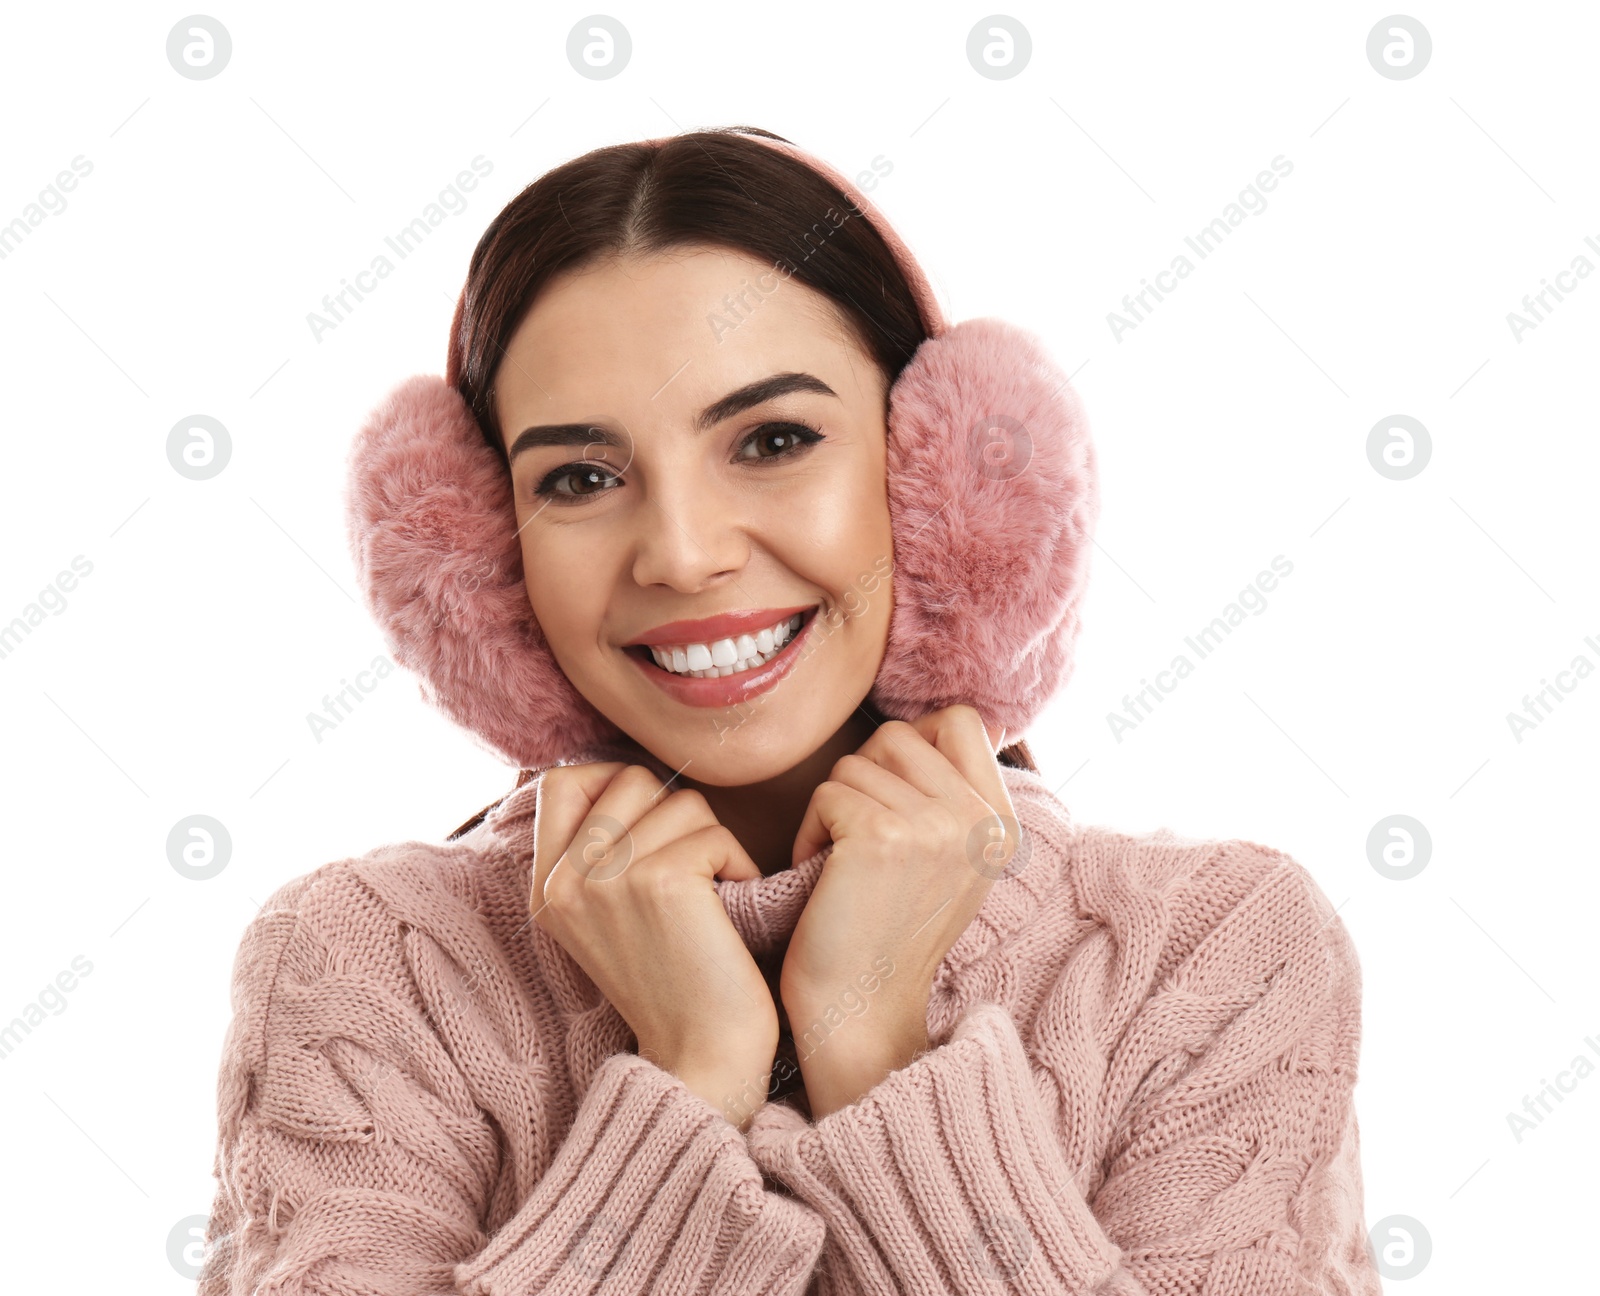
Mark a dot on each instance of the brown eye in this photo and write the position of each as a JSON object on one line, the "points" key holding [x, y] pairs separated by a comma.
{"points": [[591, 474], [786, 438]]}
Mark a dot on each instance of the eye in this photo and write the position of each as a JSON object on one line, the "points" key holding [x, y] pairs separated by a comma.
{"points": [[592, 473], [790, 438]]}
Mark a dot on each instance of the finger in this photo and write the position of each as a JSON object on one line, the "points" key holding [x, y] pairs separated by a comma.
{"points": [[959, 735], [712, 851], [565, 796], [860, 771], [603, 843], [681, 814], [832, 810], [904, 747]]}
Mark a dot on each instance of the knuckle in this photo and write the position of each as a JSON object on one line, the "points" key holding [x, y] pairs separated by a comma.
{"points": [[691, 795], [894, 832], [653, 882], [692, 799], [643, 782], [558, 894], [849, 761], [637, 776]]}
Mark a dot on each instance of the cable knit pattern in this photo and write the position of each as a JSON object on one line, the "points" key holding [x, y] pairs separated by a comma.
{"points": [[1143, 1056]]}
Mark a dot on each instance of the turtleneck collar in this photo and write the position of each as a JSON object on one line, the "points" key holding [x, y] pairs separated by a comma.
{"points": [[765, 910]]}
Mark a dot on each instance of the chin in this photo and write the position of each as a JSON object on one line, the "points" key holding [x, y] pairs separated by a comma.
{"points": [[735, 756]]}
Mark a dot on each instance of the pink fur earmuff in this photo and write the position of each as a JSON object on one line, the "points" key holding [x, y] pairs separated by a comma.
{"points": [[993, 500]]}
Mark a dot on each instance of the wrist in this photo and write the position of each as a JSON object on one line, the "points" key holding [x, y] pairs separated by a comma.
{"points": [[843, 1065], [732, 1077], [737, 1092]]}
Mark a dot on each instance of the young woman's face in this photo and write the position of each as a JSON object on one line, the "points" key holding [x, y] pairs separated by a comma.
{"points": [[657, 482]]}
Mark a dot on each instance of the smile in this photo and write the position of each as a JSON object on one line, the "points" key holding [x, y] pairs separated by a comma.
{"points": [[724, 672], [721, 657]]}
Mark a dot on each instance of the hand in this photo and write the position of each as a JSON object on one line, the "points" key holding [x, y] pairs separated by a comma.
{"points": [[921, 824], [622, 879]]}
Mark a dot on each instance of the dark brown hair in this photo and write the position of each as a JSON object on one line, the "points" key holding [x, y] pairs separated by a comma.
{"points": [[704, 188]]}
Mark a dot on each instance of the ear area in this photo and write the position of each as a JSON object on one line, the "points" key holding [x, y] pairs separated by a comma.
{"points": [[993, 500], [432, 530]]}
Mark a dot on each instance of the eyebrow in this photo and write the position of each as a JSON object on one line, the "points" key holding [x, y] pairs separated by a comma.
{"points": [[735, 402]]}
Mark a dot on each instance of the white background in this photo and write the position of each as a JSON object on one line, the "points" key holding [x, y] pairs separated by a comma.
{"points": [[1231, 426]]}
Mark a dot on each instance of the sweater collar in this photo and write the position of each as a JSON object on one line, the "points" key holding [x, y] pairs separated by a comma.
{"points": [[765, 910]]}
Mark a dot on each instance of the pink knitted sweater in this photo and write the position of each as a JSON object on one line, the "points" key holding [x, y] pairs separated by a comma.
{"points": [[1141, 1082]]}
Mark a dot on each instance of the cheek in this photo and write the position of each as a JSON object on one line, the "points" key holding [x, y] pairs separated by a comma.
{"points": [[567, 607], [845, 546]]}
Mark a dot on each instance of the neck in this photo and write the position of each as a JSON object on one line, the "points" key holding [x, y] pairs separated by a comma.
{"points": [[765, 817]]}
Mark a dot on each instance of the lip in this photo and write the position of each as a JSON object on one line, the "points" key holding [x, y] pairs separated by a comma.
{"points": [[726, 625], [725, 690]]}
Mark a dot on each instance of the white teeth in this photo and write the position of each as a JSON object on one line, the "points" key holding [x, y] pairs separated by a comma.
{"points": [[727, 656]]}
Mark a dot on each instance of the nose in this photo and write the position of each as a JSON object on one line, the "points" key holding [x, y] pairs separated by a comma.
{"points": [[689, 537]]}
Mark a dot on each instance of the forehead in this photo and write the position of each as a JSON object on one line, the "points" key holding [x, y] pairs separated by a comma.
{"points": [[678, 327]]}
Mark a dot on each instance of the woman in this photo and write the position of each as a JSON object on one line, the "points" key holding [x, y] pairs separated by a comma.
{"points": [[778, 971]]}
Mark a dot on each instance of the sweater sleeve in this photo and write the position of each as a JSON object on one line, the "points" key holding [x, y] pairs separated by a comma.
{"points": [[1211, 1149], [353, 1159]]}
